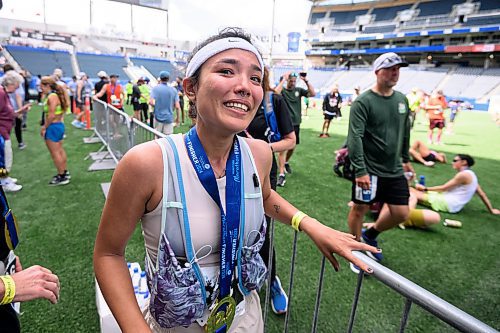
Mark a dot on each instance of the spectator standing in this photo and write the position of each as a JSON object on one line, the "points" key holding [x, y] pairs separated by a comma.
{"points": [[113, 92], [435, 106], [293, 98], [17, 101], [72, 93], [180, 91], [164, 100], [144, 99], [331, 109], [103, 76], [9, 83], [83, 91], [128, 90], [136, 95], [378, 140], [54, 107]]}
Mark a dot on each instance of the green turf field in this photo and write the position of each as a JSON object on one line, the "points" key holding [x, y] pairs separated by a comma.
{"points": [[58, 227]]}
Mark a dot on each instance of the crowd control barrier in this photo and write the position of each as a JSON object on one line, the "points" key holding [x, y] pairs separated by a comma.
{"points": [[119, 132]]}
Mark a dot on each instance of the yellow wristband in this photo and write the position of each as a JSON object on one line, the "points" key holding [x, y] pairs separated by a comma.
{"points": [[10, 289], [296, 219]]}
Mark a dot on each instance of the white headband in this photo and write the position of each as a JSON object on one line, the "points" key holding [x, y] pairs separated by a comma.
{"points": [[218, 46]]}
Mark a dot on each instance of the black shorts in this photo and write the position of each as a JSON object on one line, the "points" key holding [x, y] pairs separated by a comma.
{"points": [[329, 116], [392, 191], [430, 158], [296, 129], [137, 106]]}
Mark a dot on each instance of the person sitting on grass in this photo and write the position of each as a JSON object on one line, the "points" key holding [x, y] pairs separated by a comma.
{"points": [[419, 152], [452, 196]]}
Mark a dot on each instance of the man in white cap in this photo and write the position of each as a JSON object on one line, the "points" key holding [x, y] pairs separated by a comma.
{"points": [[164, 99], [103, 76], [378, 141]]}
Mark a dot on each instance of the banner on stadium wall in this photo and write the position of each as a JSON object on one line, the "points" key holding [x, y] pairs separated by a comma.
{"points": [[293, 41], [47, 36], [480, 48]]}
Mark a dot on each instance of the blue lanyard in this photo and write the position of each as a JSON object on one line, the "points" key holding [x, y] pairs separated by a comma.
{"points": [[230, 219]]}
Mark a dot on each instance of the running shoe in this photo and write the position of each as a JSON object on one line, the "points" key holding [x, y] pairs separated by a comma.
{"points": [[59, 180], [11, 187], [279, 300], [67, 174], [288, 168], [281, 181], [77, 124], [374, 243], [21, 146]]}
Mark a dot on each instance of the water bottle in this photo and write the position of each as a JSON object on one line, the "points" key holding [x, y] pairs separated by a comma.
{"points": [[452, 223], [421, 180], [143, 285], [366, 195], [136, 279]]}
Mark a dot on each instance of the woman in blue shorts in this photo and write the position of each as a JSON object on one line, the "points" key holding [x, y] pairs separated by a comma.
{"points": [[54, 106]]}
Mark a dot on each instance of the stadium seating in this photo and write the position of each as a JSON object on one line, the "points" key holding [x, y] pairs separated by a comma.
{"points": [[379, 29], [41, 60], [388, 13], [316, 16], [346, 17], [489, 5], [440, 7], [155, 66], [91, 63], [482, 20]]}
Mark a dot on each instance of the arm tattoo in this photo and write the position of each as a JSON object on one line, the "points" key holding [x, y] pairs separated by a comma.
{"points": [[277, 208]]}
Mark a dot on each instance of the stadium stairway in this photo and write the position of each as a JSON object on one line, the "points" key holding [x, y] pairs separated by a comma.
{"points": [[10, 60]]}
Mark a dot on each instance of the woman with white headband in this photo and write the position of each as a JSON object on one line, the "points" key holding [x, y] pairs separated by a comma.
{"points": [[201, 199]]}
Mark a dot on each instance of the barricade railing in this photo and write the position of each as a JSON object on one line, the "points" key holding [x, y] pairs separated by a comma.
{"points": [[119, 132]]}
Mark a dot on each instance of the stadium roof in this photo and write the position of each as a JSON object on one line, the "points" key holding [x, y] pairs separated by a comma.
{"points": [[337, 2]]}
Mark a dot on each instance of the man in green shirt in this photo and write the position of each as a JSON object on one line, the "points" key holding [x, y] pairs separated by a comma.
{"points": [[378, 143], [293, 99]]}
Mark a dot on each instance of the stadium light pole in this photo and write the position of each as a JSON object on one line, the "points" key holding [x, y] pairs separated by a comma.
{"points": [[272, 36]]}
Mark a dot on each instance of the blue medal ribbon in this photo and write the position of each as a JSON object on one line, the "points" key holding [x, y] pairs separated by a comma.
{"points": [[230, 218]]}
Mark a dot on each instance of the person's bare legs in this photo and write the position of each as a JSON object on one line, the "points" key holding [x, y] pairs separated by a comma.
{"points": [[390, 216], [355, 218], [281, 162], [58, 156], [439, 133], [430, 136]]}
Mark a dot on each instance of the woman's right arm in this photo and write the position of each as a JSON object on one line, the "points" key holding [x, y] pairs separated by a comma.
{"points": [[132, 188]]}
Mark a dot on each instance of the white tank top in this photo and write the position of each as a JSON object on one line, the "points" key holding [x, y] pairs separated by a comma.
{"points": [[204, 214], [457, 197]]}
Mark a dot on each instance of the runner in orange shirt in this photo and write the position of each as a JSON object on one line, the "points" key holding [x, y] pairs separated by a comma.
{"points": [[435, 106]]}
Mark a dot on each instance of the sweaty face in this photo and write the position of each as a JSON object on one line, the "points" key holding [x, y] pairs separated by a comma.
{"points": [[291, 83], [229, 90], [388, 77]]}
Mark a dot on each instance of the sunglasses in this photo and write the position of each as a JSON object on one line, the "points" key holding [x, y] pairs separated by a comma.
{"points": [[456, 160], [294, 75]]}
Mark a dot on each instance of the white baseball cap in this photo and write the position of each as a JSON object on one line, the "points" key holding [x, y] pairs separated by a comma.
{"points": [[388, 60], [102, 74]]}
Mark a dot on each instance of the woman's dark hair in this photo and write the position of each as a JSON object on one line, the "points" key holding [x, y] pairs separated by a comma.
{"points": [[266, 85], [224, 33], [467, 158]]}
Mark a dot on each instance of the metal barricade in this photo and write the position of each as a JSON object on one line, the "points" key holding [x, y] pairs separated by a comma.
{"points": [[141, 132], [119, 139], [100, 120]]}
